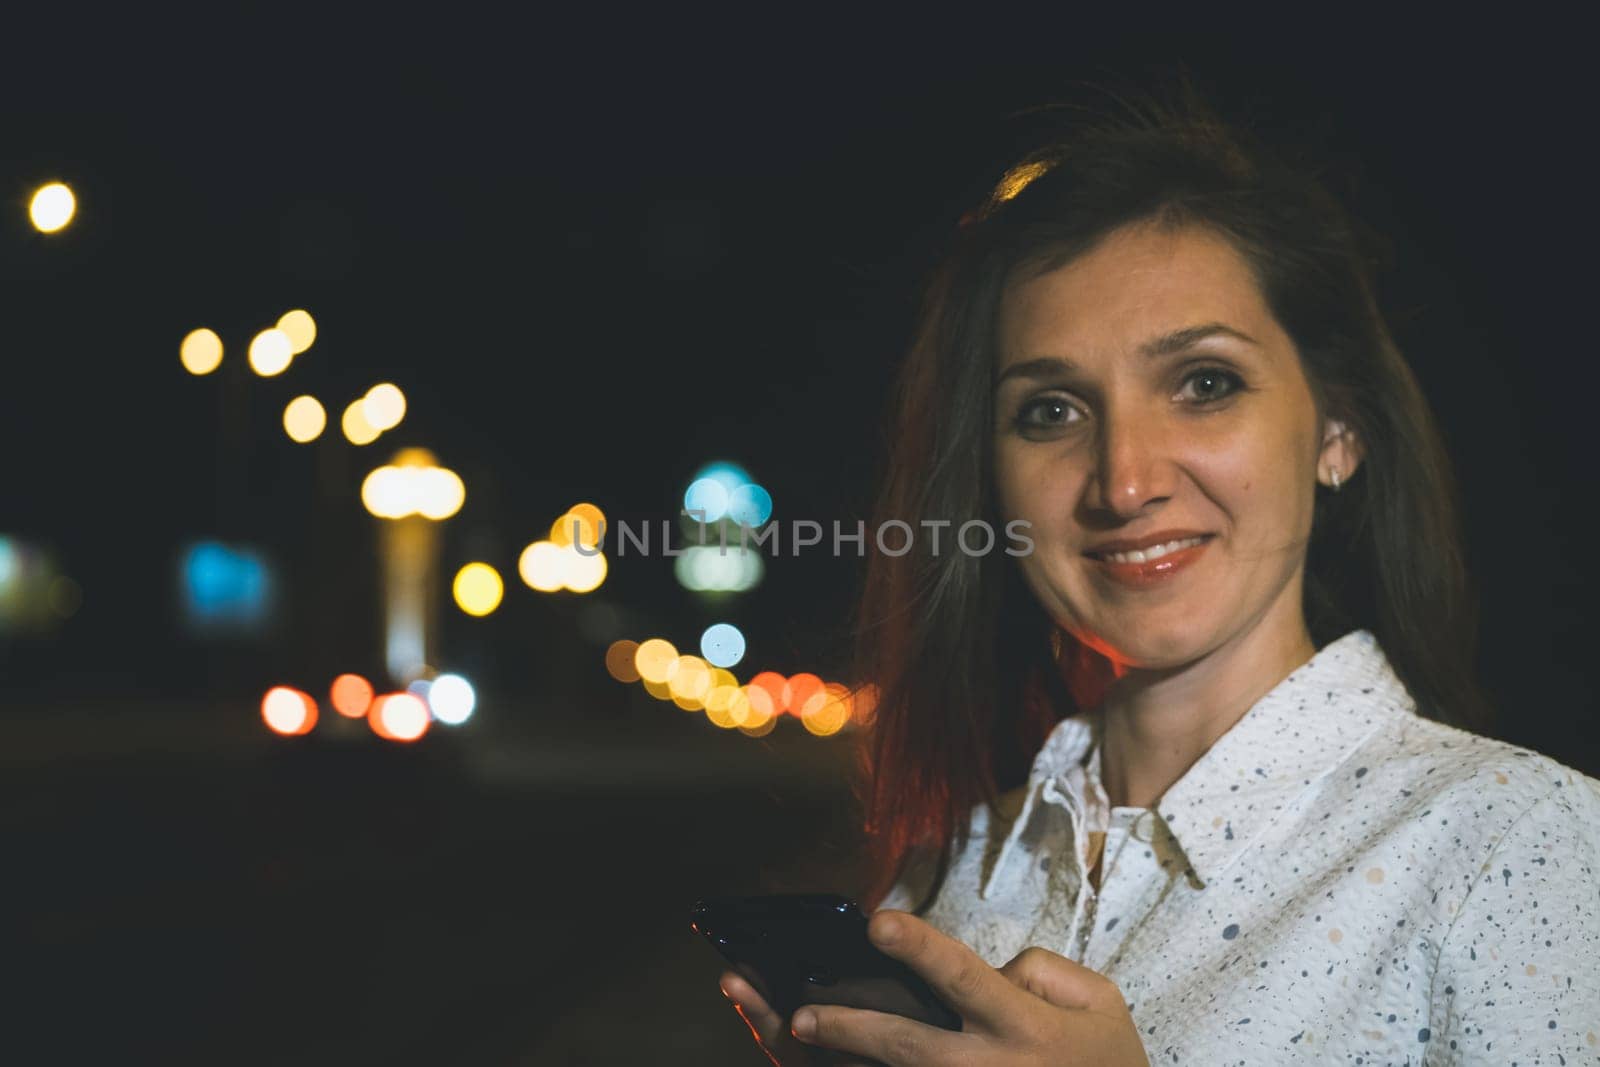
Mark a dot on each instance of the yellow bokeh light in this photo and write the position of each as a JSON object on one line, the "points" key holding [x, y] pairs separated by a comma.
{"points": [[478, 589], [829, 717], [300, 328], [584, 573], [271, 353], [439, 492], [304, 419], [762, 728], [659, 690], [357, 430], [384, 406], [52, 207], [654, 660], [543, 567], [691, 680], [586, 519], [384, 493], [396, 490], [201, 351], [727, 706]]}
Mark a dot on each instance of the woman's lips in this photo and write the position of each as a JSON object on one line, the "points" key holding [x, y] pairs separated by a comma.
{"points": [[1151, 572]]}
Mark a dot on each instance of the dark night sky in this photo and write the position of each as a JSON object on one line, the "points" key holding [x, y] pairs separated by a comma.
{"points": [[596, 256]]}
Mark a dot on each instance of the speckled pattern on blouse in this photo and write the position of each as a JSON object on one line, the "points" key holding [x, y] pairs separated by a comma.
{"points": [[1337, 880]]}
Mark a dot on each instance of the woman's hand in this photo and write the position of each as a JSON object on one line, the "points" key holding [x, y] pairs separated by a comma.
{"points": [[1040, 1008], [770, 1033]]}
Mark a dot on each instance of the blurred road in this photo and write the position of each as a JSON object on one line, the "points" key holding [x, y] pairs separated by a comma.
{"points": [[216, 894]]}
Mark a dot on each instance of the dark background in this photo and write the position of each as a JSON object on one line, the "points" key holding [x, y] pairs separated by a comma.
{"points": [[597, 256]]}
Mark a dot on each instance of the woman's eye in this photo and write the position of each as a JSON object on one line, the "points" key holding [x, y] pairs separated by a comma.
{"points": [[1215, 384], [1045, 412]]}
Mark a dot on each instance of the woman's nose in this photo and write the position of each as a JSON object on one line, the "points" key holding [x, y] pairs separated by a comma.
{"points": [[1132, 468]]}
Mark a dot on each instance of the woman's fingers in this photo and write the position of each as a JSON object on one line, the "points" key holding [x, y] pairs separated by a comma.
{"points": [[1060, 981], [961, 978], [772, 1032], [764, 1023]]}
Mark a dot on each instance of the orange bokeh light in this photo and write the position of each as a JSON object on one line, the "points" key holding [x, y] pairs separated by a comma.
{"points": [[807, 694], [351, 695], [777, 688], [399, 717], [288, 711], [620, 660]]}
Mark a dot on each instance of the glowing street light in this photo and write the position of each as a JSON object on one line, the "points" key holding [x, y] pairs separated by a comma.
{"points": [[304, 419], [201, 351], [300, 328], [52, 207], [271, 352], [412, 494]]}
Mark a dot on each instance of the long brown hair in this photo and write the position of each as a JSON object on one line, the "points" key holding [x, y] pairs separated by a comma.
{"points": [[958, 649]]}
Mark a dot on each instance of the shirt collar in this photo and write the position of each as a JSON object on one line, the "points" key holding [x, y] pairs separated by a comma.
{"points": [[1303, 728]]}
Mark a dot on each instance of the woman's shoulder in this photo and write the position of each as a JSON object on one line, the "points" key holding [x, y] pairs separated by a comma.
{"points": [[1486, 783]]}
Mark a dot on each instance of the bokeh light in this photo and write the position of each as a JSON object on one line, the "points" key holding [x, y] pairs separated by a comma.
{"points": [[351, 695], [477, 589], [399, 717], [439, 492], [304, 419], [452, 699], [52, 207], [201, 351], [288, 711], [357, 430], [300, 328], [727, 706], [829, 714], [807, 694], [759, 727], [654, 660], [384, 406], [707, 495], [271, 353], [689, 681], [586, 519], [776, 687], [620, 660], [708, 569], [543, 566], [584, 573], [722, 644], [729, 475], [750, 505]]}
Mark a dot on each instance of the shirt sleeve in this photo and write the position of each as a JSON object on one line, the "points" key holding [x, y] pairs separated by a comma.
{"points": [[1519, 969]]}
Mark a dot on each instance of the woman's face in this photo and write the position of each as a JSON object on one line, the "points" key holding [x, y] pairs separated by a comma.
{"points": [[1145, 388]]}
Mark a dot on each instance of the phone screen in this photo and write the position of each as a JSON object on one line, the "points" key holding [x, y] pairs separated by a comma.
{"points": [[812, 948]]}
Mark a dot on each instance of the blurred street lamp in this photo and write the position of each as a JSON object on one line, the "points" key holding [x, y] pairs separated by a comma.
{"points": [[52, 207], [412, 494]]}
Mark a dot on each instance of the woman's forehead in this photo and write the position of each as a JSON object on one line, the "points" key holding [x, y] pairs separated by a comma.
{"points": [[1130, 292]]}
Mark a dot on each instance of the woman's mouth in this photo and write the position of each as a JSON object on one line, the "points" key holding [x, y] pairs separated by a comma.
{"points": [[1151, 565]]}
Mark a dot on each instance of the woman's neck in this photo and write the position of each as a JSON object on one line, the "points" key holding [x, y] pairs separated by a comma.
{"points": [[1157, 724]]}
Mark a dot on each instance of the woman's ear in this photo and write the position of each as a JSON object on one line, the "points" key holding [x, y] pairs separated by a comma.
{"points": [[1341, 453]]}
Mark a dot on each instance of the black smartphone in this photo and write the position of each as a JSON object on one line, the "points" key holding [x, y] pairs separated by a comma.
{"points": [[812, 948]]}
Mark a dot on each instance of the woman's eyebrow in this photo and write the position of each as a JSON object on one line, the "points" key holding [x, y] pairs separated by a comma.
{"points": [[1165, 345]]}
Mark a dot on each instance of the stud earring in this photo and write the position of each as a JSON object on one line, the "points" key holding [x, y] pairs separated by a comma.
{"points": [[1335, 475]]}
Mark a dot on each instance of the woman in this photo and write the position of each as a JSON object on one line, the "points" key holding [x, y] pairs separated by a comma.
{"points": [[1188, 783]]}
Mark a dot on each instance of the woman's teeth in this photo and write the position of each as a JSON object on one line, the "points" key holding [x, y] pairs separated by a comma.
{"points": [[1153, 552]]}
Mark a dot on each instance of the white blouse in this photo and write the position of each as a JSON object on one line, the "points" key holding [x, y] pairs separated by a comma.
{"points": [[1337, 880]]}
